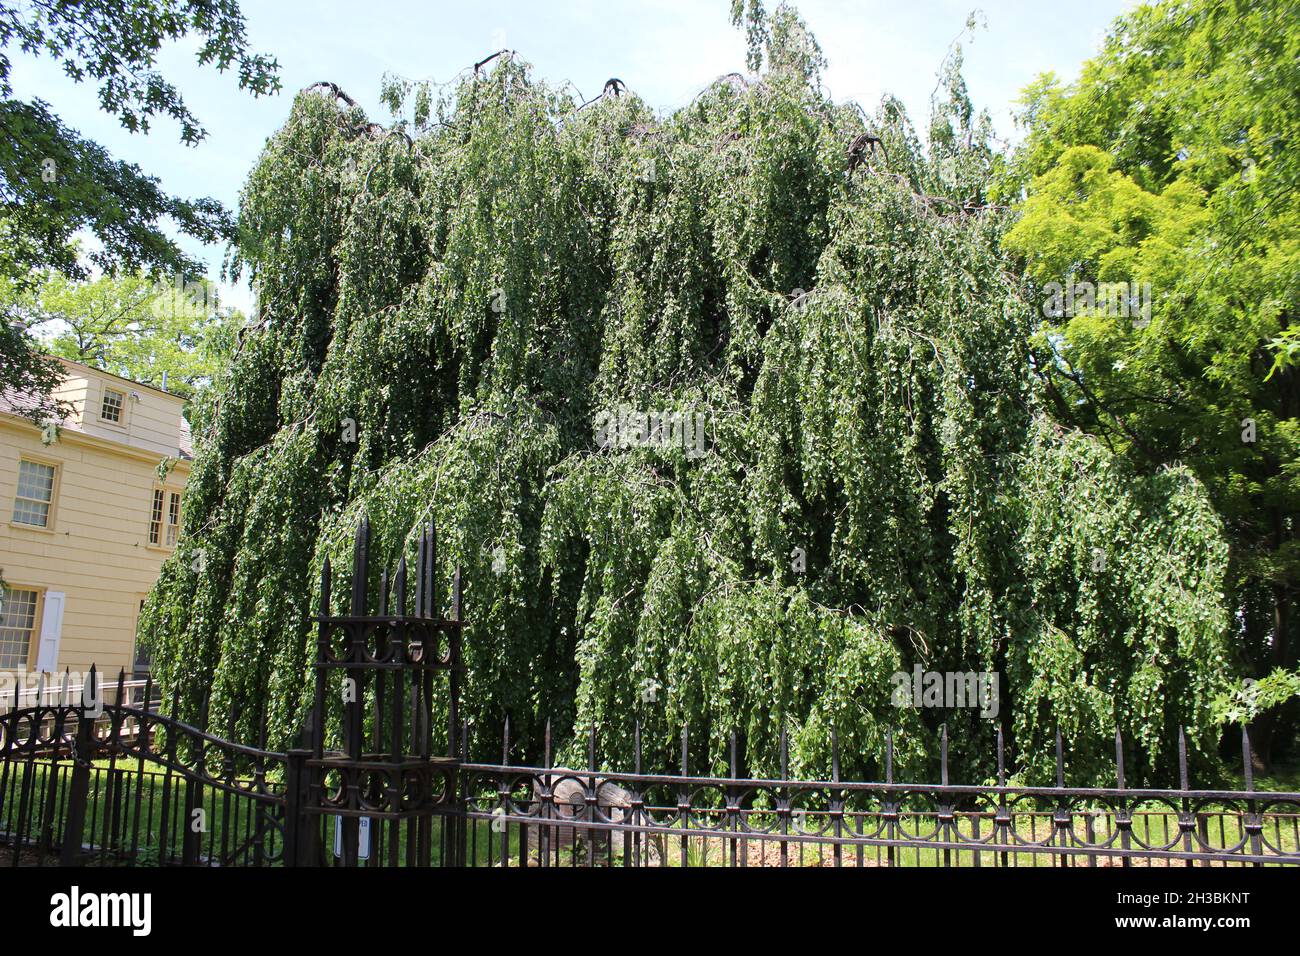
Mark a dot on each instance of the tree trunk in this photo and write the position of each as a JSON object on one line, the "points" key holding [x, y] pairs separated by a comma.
{"points": [[1263, 731]]}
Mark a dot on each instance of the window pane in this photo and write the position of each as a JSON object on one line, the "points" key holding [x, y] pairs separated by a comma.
{"points": [[173, 518], [31, 512], [35, 480], [17, 621], [112, 407], [155, 517], [35, 492]]}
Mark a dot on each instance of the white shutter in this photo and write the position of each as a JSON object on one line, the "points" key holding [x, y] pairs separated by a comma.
{"points": [[47, 657]]}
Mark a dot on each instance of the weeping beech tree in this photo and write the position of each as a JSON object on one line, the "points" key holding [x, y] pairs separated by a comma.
{"points": [[447, 306]]}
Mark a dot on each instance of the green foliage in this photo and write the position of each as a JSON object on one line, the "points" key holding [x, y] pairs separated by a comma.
{"points": [[54, 183], [115, 43], [134, 327], [1245, 702], [1125, 582], [1083, 219], [1174, 161], [750, 15], [474, 299]]}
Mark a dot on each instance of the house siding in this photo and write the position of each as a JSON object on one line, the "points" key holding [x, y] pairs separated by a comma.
{"points": [[96, 549]]}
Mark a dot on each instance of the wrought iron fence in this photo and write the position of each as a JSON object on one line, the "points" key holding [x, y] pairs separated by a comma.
{"points": [[121, 783], [554, 816], [133, 786], [136, 800], [154, 791]]}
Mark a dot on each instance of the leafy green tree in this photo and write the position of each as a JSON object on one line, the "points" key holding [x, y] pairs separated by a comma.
{"points": [[1174, 161], [447, 320], [26, 369], [134, 326], [55, 183]]}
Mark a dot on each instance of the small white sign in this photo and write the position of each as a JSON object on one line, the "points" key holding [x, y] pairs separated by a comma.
{"points": [[363, 838]]}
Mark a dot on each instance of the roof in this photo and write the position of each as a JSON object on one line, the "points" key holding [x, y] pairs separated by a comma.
{"points": [[22, 403], [74, 365], [16, 402]]}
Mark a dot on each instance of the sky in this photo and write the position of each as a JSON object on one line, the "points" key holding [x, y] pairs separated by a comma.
{"points": [[666, 51]]}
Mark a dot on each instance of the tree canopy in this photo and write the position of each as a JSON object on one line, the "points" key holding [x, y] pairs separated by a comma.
{"points": [[1172, 163], [150, 332], [452, 308], [55, 183]]}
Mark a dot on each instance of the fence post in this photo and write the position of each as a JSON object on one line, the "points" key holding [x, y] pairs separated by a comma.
{"points": [[296, 841], [461, 786], [1123, 817], [733, 797], [945, 815], [889, 807], [837, 803], [1002, 821], [459, 781], [1253, 823], [191, 839], [1186, 820], [1061, 818], [79, 786], [46, 842]]}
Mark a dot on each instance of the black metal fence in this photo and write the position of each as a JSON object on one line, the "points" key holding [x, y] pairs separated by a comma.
{"points": [[548, 816], [153, 791], [129, 797], [120, 783], [132, 786]]}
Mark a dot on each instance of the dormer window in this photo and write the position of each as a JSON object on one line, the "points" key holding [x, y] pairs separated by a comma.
{"points": [[111, 409]]}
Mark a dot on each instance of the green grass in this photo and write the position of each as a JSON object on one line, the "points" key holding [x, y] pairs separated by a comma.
{"points": [[1281, 778], [139, 807]]}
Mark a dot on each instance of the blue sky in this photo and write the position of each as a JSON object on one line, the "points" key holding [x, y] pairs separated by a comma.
{"points": [[665, 50]]}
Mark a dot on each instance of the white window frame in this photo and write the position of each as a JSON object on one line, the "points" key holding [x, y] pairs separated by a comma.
{"points": [[32, 629], [120, 421], [49, 505], [172, 523], [157, 510], [161, 533]]}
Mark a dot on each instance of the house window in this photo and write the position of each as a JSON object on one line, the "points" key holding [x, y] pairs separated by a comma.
{"points": [[173, 518], [17, 622], [155, 518], [143, 658], [165, 518], [35, 494], [111, 409]]}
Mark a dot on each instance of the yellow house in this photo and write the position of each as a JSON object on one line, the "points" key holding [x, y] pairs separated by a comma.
{"points": [[86, 518]]}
